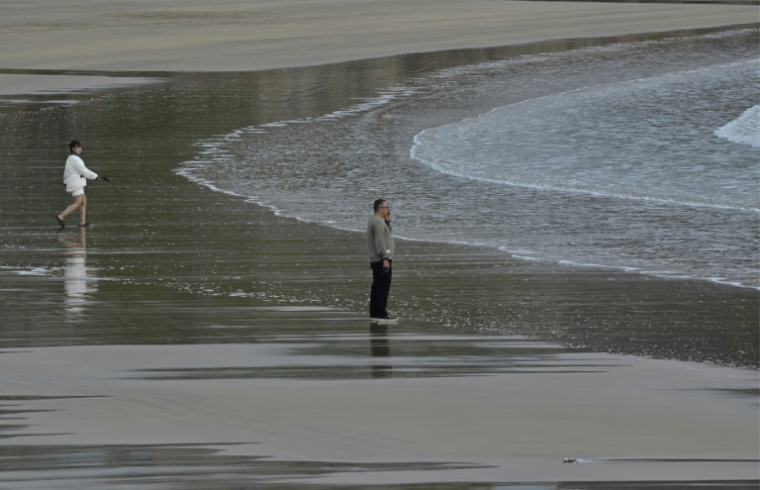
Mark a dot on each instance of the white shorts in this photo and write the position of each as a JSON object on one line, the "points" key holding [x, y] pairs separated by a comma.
{"points": [[77, 192]]}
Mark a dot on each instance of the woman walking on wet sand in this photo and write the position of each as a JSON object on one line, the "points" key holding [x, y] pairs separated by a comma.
{"points": [[75, 176]]}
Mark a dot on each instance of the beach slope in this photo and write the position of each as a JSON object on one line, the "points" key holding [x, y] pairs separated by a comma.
{"points": [[192, 35]]}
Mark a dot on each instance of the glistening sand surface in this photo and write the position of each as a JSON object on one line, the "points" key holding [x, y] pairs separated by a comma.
{"points": [[513, 418]]}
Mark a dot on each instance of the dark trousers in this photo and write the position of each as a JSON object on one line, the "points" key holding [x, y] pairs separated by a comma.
{"points": [[381, 287]]}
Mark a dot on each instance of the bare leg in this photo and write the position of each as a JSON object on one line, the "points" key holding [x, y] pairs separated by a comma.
{"points": [[78, 200], [83, 210]]}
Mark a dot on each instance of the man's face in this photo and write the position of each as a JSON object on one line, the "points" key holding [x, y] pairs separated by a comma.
{"points": [[384, 209], [77, 150]]}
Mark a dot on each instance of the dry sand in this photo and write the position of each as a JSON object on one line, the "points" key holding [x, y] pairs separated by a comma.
{"points": [[190, 35]]}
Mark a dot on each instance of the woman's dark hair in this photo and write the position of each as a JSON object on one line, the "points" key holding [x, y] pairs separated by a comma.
{"points": [[74, 144]]}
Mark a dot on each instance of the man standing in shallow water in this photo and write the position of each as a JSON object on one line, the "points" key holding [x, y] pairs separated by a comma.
{"points": [[75, 176], [380, 247]]}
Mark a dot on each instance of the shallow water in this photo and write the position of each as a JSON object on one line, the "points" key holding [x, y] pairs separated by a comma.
{"points": [[602, 156]]}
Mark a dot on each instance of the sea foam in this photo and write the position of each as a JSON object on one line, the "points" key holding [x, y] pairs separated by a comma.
{"points": [[745, 129]]}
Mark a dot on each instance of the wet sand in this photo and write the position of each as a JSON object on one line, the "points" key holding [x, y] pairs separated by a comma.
{"points": [[384, 410], [194, 340]]}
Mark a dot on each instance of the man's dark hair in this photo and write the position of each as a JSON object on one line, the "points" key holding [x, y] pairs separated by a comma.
{"points": [[74, 144], [377, 204]]}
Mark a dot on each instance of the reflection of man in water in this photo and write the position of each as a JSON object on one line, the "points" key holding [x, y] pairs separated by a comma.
{"points": [[379, 346], [75, 281]]}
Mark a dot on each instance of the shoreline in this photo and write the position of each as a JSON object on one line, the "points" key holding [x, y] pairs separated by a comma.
{"points": [[51, 81], [562, 264]]}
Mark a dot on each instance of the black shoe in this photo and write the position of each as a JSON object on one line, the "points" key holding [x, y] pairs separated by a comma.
{"points": [[60, 221], [85, 225]]}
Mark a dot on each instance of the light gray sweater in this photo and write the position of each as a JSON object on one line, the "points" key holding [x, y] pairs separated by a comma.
{"points": [[379, 240]]}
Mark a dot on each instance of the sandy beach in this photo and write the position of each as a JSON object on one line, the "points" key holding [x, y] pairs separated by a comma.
{"points": [[193, 339], [190, 35]]}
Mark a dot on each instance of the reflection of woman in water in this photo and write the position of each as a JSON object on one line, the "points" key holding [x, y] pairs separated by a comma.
{"points": [[75, 281]]}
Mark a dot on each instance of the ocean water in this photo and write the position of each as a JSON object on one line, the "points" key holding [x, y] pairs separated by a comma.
{"points": [[641, 156]]}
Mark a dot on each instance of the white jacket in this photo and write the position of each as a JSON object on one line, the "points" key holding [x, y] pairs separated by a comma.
{"points": [[75, 174]]}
